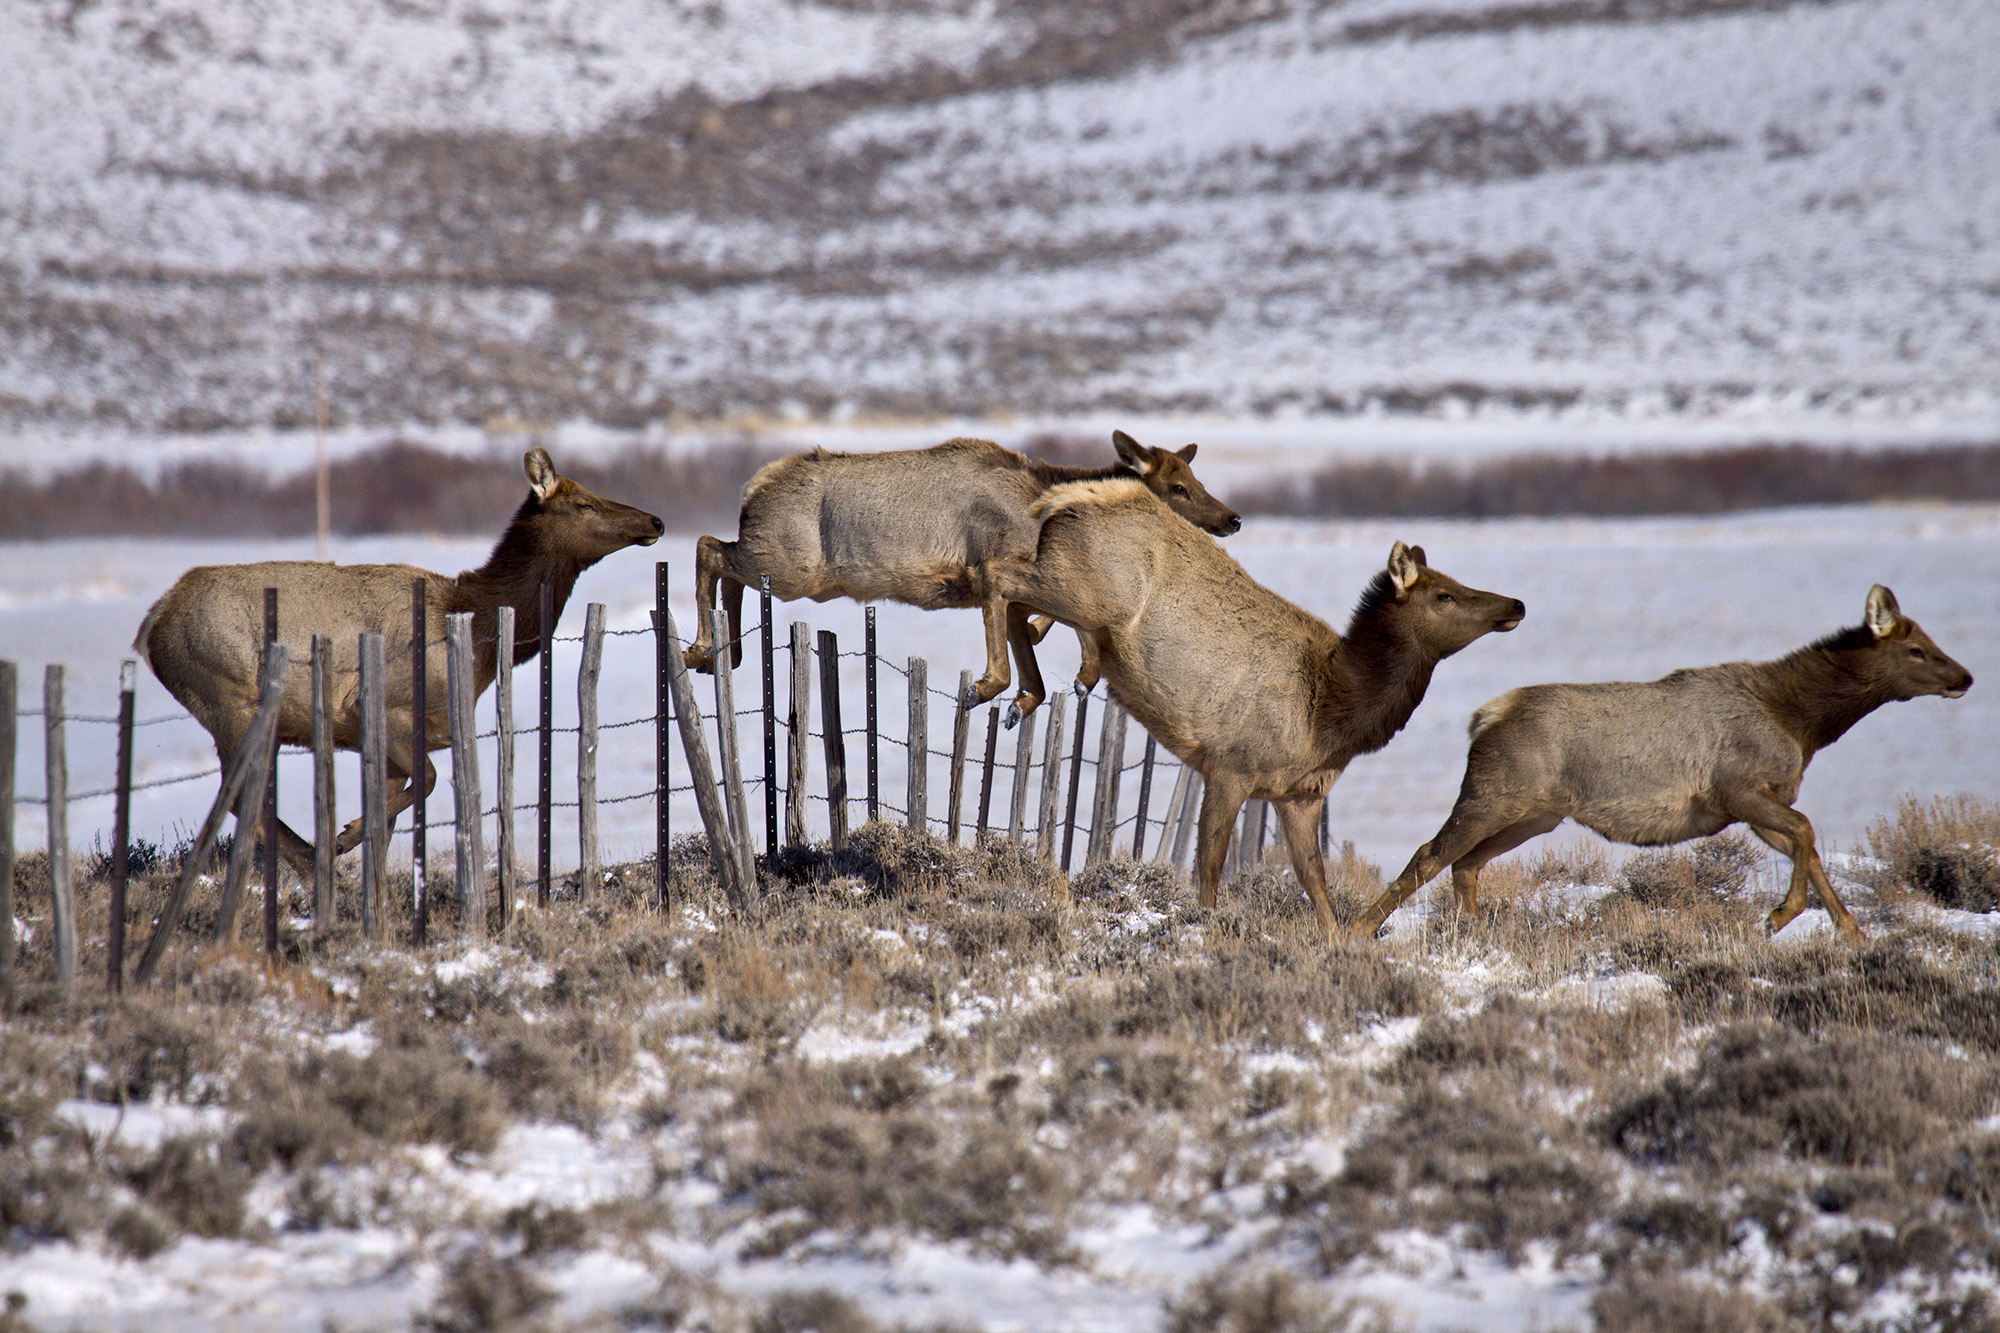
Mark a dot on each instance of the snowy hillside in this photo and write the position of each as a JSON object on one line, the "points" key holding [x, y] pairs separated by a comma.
{"points": [[637, 214]]}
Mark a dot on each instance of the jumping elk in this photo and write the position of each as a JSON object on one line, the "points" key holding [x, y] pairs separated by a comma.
{"points": [[1260, 697], [909, 525], [1681, 757], [204, 637]]}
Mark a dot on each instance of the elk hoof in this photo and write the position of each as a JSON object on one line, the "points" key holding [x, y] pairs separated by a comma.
{"points": [[974, 697], [1081, 688]]}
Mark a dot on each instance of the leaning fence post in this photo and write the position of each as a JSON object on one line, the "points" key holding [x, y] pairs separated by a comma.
{"points": [[325, 830], [735, 808], [10, 702], [249, 806], [263, 724], [374, 782], [545, 759], [1075, 780], [687, 715], [868, 683], [1176, 802], [918, 797], [1045, 826], [59, 883], [1024, 759], [1104, 805], [961, 718], [420, 718], [798, 728], [468, 843], [121, 829], [503, 759], [1145, 798], [835, 742], [662, 729], [587, 675], [986, 773]]}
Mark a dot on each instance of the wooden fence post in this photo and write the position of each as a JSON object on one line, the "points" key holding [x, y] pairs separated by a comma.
{"points": [[1163, 850], [836, 743], [722, 855], [1190, 820], [420, 717], [374, 782], [249, 808], [1075, 779], [918, 797], [468, 842], [545, 759], [986, 774], [268, 821], [961, 718], [1045, 826], [57, 755], [503, 762], [1145, 798], [10, 703], [663, 708], [588, 876], [798, 729], [771, 783], [868, 685], [121, 829], [263, 725], [734, 807], [1024, 760], [325, 827], [1104, 805]]}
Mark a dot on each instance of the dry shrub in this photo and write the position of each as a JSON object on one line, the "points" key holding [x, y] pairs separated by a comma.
{"points": [[160, 1046], [1524, 1040], [1264, 1300], [483, 1292], [1641, 1302], [1679, 877], [1948, 850], [193, 1187], [1847, 1098], [1883, 988]]}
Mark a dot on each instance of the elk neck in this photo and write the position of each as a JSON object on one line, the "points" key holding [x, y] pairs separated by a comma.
{"points": [[1373, 679], [1818, 692], [522, 560]]}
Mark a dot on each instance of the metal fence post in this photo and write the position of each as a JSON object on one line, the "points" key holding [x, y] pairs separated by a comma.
{"points": [[1075, 779], [874, 782], [374, 782], [770, 719], [545, 779], [835, 742], [662, 730], [269, 799], [420, 718], [797, 731], [121, 831]]}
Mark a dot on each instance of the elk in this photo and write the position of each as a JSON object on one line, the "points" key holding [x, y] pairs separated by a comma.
{"points": [[1260, 697], [204, 636], [1681, 757], [908, 525]]}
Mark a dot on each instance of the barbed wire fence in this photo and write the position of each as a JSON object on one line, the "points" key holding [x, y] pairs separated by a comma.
{"points": [[1140, 804]]}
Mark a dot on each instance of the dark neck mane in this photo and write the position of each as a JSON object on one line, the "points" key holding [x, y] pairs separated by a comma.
{"points": [[1050, 474], [1375, 678], [1823, 689], [513, 576]]}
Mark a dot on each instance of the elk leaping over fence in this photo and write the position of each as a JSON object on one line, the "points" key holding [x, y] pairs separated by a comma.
{"points": [[1260, 697], [204, 637], [1681, 757], [909, 525]]}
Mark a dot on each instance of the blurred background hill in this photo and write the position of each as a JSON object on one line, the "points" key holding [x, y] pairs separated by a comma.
{"points": [[638, 214]]}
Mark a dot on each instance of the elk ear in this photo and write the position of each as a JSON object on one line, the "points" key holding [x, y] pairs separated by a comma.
{"points": [[1883, 613], [1405, 565], [1417, 554], [1186, 455], [1135, 456], [541, 470]]}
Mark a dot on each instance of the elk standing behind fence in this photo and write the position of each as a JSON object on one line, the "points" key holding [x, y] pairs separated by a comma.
{"points": [[202, 638], [1260, 697], [1681, 757], [908, 525]]}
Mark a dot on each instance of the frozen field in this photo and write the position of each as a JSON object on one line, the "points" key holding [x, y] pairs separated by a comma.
{"points": [[1606, 600]]}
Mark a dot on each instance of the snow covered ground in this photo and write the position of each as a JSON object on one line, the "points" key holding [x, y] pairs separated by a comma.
{"points": [[1606, 600]]}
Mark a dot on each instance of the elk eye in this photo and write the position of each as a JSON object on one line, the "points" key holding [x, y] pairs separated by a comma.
{"points": [[1179, 489], [1917, 653], [1446, 597]]}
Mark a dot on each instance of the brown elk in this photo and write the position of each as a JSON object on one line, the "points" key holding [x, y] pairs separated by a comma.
{"points": [[907, 525], [1260, 697], [1681, 757], [204, 637]]}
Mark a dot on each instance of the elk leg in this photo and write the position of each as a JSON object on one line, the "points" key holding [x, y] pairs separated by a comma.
{"points": [[1021, 638], [1464, 830], [1465, 870], [1088, 669], [1222, 798], [1040, 627], [710, 557], [1779, 824], [1298, 816]]}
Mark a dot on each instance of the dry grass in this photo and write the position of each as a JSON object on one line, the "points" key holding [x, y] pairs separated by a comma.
{"points": [[1026, 1052]]}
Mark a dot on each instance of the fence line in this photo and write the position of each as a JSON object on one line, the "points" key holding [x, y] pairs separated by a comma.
{"points": [[720, 793]]}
